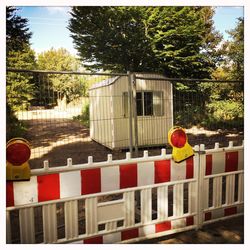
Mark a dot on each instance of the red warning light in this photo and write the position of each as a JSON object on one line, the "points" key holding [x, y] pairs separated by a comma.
{"points": [[178, 138], [18, 153]]}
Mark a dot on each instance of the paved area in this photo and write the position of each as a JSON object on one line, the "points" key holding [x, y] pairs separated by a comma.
{"points": [[224, 232]]}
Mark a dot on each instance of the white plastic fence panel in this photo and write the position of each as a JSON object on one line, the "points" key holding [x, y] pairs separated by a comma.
{"points": [[111, 225], [217, 191], [91, 215], [49, 223], [230, 187], [192, 197], [241, 187], [110, 211], [27, 225], [146, 205], [178, 200], [71, 219], [205, 193], [129, 199], [8, 227], [111, 238], [162, 202]]}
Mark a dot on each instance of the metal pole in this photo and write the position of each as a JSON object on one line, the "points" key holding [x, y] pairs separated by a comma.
{"points": [[64, 72], [130, 112], [135, 113]]}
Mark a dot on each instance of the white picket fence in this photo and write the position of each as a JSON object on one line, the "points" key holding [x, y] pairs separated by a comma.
{"points": [[125, 201]]}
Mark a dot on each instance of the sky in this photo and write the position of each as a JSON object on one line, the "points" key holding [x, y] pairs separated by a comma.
{"points": [[49, 25]]}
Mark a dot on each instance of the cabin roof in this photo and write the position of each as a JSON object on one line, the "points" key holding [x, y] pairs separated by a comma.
{"points": [[104, 83], [112, 80]]}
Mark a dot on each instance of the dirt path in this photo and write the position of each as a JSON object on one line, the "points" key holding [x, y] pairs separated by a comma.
{"points": [[58, 139]]}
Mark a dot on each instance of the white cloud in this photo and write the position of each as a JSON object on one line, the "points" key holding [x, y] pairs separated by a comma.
{"points": [[58, 10]]}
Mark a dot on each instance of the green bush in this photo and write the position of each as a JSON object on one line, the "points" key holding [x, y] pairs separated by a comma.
{"points": [[14, 128], [225, 110], [224, 114], [84, 117], [189, 115]]}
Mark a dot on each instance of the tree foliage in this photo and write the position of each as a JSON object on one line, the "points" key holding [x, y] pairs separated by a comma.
{"points": [[111, 38], [19, 87], [226, 101], [183, 40], [17, 31], [159, 39], [66, 86], [234, 52]]}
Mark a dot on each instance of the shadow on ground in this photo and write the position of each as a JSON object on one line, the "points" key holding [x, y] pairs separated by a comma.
{"points": [[79, 151], [57, 139]]}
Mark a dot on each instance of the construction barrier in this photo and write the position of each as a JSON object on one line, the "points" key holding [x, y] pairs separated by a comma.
{"points": [[126, 200]]}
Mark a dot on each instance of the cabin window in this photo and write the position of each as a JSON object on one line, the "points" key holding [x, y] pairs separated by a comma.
{"points": [[148, 103]]}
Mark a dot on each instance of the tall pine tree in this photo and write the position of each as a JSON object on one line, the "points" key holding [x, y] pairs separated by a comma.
{"points": [[17, 31], [19, 55]]}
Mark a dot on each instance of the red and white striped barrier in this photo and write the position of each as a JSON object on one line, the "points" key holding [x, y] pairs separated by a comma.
{"points": [[223, 161], [72, 183], [221, 166], [154, 179], [166, 227], [223, 212]]}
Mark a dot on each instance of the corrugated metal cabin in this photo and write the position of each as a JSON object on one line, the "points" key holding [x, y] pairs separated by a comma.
{"points": [[109, 117]]}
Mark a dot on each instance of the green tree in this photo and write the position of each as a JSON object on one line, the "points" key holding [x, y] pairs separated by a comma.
{"points": [[234, 51], [19, 86], [183, 40], [226, 100], [17, 31], [160, 39], [68, 86], [111, 38]]}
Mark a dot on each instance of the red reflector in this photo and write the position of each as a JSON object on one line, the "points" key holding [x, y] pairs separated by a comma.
{"points": [[178, 138], [18, 153]]}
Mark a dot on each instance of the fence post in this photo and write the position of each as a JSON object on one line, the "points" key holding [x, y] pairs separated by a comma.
{"points": [[200, 183], [8, 228], [130, 112], [135, 113]]}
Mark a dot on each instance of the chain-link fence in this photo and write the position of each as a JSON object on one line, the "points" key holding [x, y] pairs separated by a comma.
{"points": [[76, 115], [210, 111]]}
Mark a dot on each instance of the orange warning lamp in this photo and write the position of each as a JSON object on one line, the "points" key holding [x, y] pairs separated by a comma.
{"points": [[177, 138], [17, 156]]}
